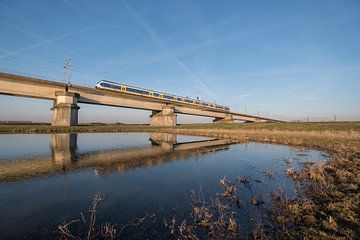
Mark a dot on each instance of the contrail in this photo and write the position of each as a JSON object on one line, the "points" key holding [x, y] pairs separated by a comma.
{"points": [[45, 41], [160, 44], [77, 10]]}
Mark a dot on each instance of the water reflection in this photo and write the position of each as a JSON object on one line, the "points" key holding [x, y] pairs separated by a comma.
{"points": [[162, 148], [63, 148]]}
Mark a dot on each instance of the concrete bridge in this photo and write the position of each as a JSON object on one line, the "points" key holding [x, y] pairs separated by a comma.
{"points": [[66, 99], [65, 157]]}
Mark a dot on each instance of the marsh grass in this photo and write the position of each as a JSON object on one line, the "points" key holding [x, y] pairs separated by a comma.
{"points": [[87, 227], [219, 217], [327, 202]]}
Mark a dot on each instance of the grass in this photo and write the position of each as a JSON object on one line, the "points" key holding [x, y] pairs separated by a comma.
{"points": [[10, 129], [291, 127]]}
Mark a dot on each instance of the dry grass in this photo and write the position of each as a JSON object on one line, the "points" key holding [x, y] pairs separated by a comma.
{"points": [[327, 202], [345, 128], [209, 220], [93, 231], [218, 218], [88, 227]]}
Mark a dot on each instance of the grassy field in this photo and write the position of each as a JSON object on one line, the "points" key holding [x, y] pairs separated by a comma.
{"points": [[305, 127], [309, 126], [327, 202]]}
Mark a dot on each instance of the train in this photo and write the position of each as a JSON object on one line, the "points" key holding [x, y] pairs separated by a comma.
{"points": [[119, 87]]}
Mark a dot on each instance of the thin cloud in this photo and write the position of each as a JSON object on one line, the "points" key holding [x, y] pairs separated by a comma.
{"points": [[45, 41], [160, 44], [77, 10], [243, 96]]}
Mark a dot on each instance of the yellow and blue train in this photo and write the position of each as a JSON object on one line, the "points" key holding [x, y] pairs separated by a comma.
{"points": [[117, 87]]}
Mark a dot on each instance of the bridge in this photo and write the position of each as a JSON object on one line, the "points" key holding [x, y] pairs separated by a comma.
{"points": [[66, 99]]}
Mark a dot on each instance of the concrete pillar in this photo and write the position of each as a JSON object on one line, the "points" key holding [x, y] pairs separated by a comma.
{"points": [[65, 110], [164, 118], [227, 119]]}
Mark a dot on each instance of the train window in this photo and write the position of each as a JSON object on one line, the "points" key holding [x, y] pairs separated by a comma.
{"points": [[156, 94], [139, 91], [188, 101], [168, 97], [179, 99], [132, 90]]}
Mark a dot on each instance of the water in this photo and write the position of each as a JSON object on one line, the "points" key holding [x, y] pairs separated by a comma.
{"points": [[48, 179]]}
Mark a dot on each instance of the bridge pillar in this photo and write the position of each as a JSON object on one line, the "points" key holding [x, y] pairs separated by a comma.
{"points": [[164, 118], [65, 110], [227, 119]]}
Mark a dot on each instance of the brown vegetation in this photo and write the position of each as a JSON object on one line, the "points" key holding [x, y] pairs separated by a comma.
{"points": [[86, 227], [327, 202], [316, 127]]}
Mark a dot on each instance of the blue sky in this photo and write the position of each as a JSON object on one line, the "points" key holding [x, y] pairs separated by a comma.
{"points": [[285, 59]]}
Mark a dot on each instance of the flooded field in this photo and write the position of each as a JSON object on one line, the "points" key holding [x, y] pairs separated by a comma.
{"points": [[48, 179]]}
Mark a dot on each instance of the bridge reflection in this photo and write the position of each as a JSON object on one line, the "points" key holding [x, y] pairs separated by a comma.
{"points": [[66, 158]]}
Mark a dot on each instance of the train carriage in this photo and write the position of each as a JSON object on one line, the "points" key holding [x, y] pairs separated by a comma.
{"points": [[117, 87]]}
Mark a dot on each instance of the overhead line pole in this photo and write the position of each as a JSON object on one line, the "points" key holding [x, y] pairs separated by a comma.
{"points": [[68, 65]]}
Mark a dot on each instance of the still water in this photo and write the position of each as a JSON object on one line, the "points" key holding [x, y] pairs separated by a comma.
{"points": [[48, 179]]}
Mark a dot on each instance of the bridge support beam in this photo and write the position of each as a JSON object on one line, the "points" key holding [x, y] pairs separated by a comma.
{"points": [[227, 119], [65, 110], [164, 118]]}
